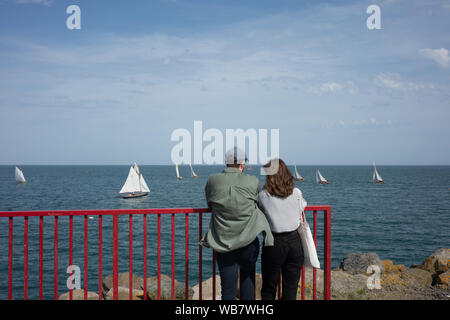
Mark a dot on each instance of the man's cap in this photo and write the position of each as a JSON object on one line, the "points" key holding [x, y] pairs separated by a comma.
{"points": [[235, 155]]}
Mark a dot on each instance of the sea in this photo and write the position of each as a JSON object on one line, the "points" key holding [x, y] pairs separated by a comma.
{"points": [[403, 220]]}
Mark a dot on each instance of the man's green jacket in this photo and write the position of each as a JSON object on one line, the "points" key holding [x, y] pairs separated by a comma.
{"points": [[236, 219]]}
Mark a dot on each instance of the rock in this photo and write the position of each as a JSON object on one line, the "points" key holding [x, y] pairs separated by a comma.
{"points": [[124, 294], [166, 288], [343, 284], [438, 262], [357, 263], [207, 289], [397, 281], [418, 277], [123, 281], [389, 281], [400, 268], [443, 279], [78, 294], [403, 286], [390, 268]]}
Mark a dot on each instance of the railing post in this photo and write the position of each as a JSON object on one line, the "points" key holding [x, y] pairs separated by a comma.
{"points": [[186, 255], [41, 253], [100, 260], [55, 252], [145, 257], [130, 273], [10, 257], [314, 269], [71, 256], [200, 257], [327, 255], [85, 257], [115, 256], [159, 257], [25, 259], [173, 257]]}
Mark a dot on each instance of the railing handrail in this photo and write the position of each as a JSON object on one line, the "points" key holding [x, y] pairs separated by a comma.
{"points": [[326, 209], [78, 212]]}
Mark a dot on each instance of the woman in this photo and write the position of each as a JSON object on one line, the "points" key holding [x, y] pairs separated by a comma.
{"points": [[282, 204]]}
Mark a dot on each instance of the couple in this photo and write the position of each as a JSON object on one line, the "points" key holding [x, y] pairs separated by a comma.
{"points": [[240, 212]]}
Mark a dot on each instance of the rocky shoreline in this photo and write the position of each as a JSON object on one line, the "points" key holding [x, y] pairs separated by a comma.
{"points": [[351, 280]]}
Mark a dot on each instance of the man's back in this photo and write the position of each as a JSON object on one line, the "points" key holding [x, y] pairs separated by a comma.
{"points": [[236, 219]]}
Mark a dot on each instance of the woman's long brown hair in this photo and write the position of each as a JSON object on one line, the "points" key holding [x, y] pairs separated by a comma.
{"points": [[281, 182]]}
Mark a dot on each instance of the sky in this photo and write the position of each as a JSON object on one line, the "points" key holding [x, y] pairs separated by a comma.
{"points": [[115, 90]]}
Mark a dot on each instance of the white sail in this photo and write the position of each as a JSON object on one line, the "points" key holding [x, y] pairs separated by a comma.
{"points": [[136, 168], [19, 176], [319, 177], [132, 183], [144, 187], [376, 175], [178, 172], [297, 175], [142, 183], [135, 182], [192, 171]]}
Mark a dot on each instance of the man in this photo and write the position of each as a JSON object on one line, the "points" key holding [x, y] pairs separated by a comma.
{"points": [[235, 224]]}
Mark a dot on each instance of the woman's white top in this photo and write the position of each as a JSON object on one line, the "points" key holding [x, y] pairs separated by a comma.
{"points": [[283, 214]]}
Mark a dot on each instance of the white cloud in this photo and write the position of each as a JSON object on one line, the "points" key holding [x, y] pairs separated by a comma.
{"points": [[393, 81], [331, 87], [438, 55], [389, 80], [334, 87], [352, 87]]}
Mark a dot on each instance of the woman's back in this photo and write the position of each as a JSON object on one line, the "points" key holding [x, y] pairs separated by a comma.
{"points": [[283, 214], [282, 204]]}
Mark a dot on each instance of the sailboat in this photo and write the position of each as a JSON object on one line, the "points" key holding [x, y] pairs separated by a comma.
{"points": [[320, 179], [297, 177], [193, 174], [178, 172], [19, 176], [135, 185], [376, 176]]}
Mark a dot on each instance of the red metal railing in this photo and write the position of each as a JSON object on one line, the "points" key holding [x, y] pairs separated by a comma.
{"points": [[142, 212]]}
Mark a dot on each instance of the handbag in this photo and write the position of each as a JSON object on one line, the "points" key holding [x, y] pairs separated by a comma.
{"points": [[309, 248]]}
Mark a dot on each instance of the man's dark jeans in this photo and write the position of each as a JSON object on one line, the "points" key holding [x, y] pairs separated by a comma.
{"points": [[243, 259], [286, 256]]}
